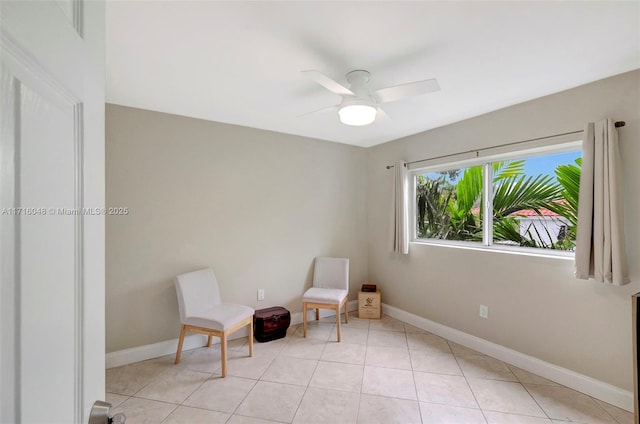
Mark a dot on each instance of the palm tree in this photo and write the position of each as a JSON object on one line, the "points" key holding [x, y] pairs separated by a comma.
{"points": [[568, 177], [461, 210], [433, 196], [466, 216]]}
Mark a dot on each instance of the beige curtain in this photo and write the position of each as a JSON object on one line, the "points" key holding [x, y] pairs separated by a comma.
{"points": [[600, 247], [400, 225]]}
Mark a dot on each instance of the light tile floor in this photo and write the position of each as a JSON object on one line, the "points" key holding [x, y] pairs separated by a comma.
{"points": [[383, 371]]}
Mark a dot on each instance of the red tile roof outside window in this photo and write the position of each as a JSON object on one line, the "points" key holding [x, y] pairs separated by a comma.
{"points": [[531, 212], [528, 212]]}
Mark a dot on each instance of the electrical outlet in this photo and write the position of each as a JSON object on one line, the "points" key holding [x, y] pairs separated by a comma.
{"points": [[484, 311], [260, 294]]}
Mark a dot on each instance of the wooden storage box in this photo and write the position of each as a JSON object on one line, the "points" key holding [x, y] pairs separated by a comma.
{"points": [[369, 304], [271, 323]]}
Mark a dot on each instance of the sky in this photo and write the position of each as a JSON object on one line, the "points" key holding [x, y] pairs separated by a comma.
{"points": [[541, 164], [547, 164]]}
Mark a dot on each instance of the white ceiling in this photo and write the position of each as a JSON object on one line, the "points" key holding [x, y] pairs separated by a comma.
{"points": [[240, 62]]}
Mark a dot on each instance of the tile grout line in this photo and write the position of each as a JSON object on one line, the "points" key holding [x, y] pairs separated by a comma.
{"points": [[536, 400], [364, 365], [366, 351], [245, 396], [143, 387], [413, 377], [466, 380], [239, 403], [413, 372], [605, 411], [171, 403], [153, 400], [170, 413], [307, 386], [259, 380], [197, 388]]}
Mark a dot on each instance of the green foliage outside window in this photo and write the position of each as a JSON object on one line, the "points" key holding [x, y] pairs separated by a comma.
{"points": [[449, 205]]}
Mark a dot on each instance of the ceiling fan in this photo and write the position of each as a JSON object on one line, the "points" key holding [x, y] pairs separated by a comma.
{"points": [[360, 104]]}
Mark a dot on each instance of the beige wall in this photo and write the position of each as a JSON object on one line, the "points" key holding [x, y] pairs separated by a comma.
{"points": [[254, 205], [536, 305], [258, 206]]}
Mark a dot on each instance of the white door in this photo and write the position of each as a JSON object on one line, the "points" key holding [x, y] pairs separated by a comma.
{"points": [[52, 199]]}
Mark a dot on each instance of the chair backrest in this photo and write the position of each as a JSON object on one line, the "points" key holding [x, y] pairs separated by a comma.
{"points": [[197, 292], [331, 273]]}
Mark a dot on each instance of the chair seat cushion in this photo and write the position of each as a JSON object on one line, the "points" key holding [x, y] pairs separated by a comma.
{"points": [[224, 316], [319, 295]]}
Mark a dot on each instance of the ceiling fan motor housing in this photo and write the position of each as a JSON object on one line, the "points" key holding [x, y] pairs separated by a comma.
{"points": [[359, 80]]}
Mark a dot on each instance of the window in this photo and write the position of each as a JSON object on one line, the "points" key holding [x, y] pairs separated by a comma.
{"points": [[448, 204], [531, 199]]}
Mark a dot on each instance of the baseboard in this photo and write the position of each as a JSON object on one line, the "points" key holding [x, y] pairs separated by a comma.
{"points": [[194, 341], [582, 383], [154, 350]]}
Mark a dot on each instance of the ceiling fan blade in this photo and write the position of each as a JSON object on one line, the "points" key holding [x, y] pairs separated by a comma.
{"points": [[391, 94], [382, 114], [328, 83], [324, 109]]}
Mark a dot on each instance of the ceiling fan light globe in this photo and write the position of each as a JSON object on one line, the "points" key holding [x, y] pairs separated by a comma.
{"points": [[357, 115]]}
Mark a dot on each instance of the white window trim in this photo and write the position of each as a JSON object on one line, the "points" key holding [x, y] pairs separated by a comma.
{"points": [[511, 250], [487, 224], [485, 160]]}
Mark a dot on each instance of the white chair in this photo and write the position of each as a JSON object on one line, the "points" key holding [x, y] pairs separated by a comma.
{"points": [[330, 289], [202, 312]]}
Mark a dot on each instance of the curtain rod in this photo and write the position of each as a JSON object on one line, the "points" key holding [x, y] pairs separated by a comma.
{"points": [[618, 124]]}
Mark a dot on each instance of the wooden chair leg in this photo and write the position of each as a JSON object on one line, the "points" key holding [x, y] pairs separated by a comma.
{"points": [[223, 353], [317, 314], [251, 339], [304, 318], [338, 320], [346, 312], [183, 331], [209, 340]]}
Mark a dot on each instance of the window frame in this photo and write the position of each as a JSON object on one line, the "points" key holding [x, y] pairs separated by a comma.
{"points": [[487, 224]]}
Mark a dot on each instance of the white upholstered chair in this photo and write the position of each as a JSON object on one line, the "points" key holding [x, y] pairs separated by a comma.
{"points": [[330, 289], [201, 311]]}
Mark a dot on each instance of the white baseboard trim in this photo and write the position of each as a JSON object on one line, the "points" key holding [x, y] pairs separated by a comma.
{"points": [[154, 350], [582, 383], [194, 341]]}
